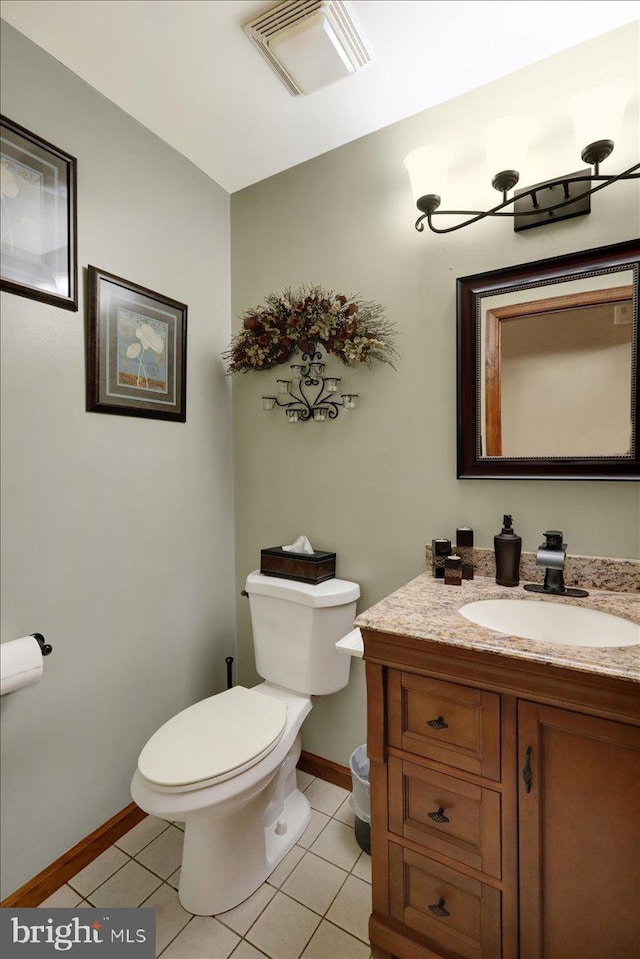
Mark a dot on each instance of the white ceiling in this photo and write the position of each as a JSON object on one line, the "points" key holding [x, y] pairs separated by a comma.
{"points": [[186, 70]]}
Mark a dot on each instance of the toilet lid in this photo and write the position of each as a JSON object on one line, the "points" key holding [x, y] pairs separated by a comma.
{"points": [[213, 737]]}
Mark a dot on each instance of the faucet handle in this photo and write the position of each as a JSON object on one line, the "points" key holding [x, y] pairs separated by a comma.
{"points": [[551, 554], [553, 540]]}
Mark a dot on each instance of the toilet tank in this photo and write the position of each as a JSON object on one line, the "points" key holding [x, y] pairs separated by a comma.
{"points": [[295, 630]]}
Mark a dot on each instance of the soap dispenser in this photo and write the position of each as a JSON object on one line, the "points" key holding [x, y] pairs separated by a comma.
{"points": [[508, 547]]}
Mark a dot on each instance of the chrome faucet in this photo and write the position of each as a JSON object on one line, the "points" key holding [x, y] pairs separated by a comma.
{"points": [[552, 555]]}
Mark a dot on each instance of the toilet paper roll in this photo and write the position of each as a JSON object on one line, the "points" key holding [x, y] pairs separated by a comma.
{"points": [[20, 664]]}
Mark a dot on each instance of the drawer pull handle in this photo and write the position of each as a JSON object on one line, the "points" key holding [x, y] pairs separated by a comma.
{"points": [[527, 774], [438, 909], [438, 816], [438, 723]]}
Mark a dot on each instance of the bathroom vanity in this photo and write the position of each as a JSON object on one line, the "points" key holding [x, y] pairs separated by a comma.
{"points": [[505, 782]]}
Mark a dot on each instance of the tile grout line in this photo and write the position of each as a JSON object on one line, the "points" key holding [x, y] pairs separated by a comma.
{"points": [[322, 915], [277, 889], [179, 933], [146, 845], [310, 938], [164, 881], [347, 932], [242, 937], [109, 878], [131, 858]]}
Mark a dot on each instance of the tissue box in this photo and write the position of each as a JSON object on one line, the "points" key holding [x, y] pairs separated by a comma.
{"points": [[305, 567]]}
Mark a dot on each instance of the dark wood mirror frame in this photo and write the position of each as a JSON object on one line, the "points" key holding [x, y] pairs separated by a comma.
{"points": [[543, 274]]}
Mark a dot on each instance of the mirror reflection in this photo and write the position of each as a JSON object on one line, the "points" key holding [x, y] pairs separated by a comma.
{"points": [[556, 371]]}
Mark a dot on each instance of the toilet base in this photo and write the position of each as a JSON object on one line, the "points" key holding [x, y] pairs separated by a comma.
{"points": [[210, 881], [237, 830]]}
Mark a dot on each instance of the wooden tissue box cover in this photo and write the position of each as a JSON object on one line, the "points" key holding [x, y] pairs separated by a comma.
{"points": [[305, 567]]}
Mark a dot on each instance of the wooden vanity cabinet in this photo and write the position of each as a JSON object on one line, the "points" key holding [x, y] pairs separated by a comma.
{"points": [[505, 806]]}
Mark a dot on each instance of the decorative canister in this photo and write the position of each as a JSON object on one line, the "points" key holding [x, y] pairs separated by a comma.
{"points": [[464, 549], [440, 549], [453, 570]]}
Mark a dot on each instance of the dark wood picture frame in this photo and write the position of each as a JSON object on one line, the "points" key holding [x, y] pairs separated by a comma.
{"points": [[136, 349], [470, 290], [38, 251]]}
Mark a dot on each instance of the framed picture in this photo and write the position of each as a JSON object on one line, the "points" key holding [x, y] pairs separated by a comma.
{"points": [[136, 350], [38, 245]]}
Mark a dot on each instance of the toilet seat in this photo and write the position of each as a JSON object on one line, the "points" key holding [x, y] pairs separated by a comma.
{"points": [[214, 739]]}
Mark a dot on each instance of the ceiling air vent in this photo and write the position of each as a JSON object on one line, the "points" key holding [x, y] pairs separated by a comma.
{"points": [[309, 43]]}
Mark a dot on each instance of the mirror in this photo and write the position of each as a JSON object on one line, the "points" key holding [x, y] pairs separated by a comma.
{"points": [[548, 368]]}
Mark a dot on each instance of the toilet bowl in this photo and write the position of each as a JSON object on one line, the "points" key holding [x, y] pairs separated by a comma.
{"points": [[226, 766]]}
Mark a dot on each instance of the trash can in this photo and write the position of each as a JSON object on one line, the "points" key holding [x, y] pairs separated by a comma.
{"points": [[361, 796]]}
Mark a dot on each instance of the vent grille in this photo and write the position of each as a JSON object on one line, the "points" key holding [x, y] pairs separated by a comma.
{"points": [[264, 28]]}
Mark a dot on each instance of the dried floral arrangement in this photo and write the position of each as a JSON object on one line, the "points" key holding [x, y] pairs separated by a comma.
{"points": [[303, 320]]}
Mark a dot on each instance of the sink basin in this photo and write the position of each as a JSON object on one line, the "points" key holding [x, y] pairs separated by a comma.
{"points": [[558, 623]]}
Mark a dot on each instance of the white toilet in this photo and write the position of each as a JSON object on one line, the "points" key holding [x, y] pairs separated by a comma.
{"points": [[226, 766]]}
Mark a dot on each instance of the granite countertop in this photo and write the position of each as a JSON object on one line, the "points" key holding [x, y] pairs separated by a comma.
{"points": [[428, 609]]}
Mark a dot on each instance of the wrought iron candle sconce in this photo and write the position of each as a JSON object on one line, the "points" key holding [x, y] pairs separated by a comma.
{"points": [[309, 394]]}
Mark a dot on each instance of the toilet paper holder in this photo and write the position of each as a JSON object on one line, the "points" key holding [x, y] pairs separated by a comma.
{"points": [[45, 648]]}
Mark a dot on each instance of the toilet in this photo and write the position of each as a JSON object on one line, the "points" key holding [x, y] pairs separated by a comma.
{"points": [[226, 766]]}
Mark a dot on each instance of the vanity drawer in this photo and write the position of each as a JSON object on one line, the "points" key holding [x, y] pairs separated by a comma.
{"points": [[446, 722], [454, 913], [445, 814]]}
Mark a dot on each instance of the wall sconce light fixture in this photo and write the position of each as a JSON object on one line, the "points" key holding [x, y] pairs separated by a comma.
{"points": [[308, 394], [597, 110]]}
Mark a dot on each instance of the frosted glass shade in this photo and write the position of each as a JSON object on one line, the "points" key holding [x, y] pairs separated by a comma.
{"points": [[311, 52], [506, 143], [428, 168], [598, 110], [308, 44]]}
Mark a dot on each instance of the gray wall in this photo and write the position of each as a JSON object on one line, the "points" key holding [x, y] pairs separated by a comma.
{"points": [[376, 485], [117, 531]]}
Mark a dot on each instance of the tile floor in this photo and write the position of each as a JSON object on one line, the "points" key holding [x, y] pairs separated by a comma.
{"points": [[315, 905]]}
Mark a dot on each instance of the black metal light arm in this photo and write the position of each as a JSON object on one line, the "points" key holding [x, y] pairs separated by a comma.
{"points": [[499, 210]]}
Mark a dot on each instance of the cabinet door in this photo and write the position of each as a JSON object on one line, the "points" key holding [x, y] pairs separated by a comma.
{"points": [[579, 812]]}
